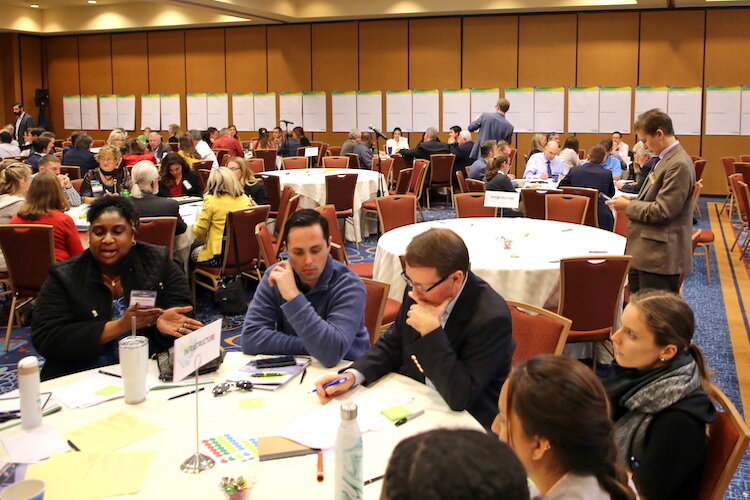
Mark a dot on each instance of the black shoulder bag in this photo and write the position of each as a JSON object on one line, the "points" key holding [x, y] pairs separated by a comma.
{"points": [[230, 294]]}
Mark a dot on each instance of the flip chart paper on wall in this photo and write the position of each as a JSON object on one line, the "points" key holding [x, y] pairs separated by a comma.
{"points": [[126, 112], [398, 109], [151, 111], [242, 112], [456, 108], [521, 112], [745, 112], [549, 109], [650, 98], [482, 101], [290, 108], [108, 112], [684, 108], [614, 109], [314, 111], [264, 106], [217, 110], [344, 111], [197, 113], [170, 110], [723, 110], [369, 110], [89, 112], [583, 109], [425, 109], [72, 112]]}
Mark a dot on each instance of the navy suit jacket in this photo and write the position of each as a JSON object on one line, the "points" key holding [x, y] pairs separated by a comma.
{"points": [[80, 158], [492, 127], [594, 176], [426, 149], [463, 158]]}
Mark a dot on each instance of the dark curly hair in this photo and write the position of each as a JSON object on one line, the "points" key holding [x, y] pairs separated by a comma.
{"points": [[123, 206]]}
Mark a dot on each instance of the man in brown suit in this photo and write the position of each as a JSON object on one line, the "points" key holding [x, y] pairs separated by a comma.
{"points": [[661, 217]]}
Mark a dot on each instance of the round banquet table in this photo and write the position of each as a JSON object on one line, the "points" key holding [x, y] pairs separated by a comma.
{"points": [[311, 184], [528, 272], [282, 478]]}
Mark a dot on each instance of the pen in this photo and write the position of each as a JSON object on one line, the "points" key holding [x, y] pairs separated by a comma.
{"points": [[320, 466], [304, 372], [335, 382], [52, 410], [409, 417], [185, 394], [105, 372], [269, 374], [372, 480], [70, 443]]}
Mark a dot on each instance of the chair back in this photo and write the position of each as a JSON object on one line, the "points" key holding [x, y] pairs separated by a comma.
{"points": [[442, 168], [65, 144], [335, 162], [417, 179], [322, 151], [512, 155], [157, 231], [301, 150], [400, 163], [329, 212], [700, 166], [294, 162], [286, 195], [462, 186], [237, 233], [73, 172], [740, 189], [621, 224], [340, 191], [566, 208], [728, 163], [592, 211], [745, 158], [377, 297], [404, 180], [741, 167], [338, 253], [203, 165], [292, 207], [536, 331], [174, 146], [77, 183], [472, 205], [97, 143], [268, 251], [533, 202], [273, 190], [353, 160], [257, 165], [475, 186], [592, 307], [396, 211], [384, 165], [29, 250], [269, 157], [334, 150], [204, 174], [222, 156], [581, 154], [728, 438]]}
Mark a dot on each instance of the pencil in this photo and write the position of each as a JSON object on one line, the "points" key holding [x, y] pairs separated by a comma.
{"points": [[320, 466]]}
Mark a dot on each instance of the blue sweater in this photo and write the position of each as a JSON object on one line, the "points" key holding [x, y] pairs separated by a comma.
{"points": [[326, 322]]}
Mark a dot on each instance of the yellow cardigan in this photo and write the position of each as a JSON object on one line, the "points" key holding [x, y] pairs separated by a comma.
{"points": [[211, 221]]}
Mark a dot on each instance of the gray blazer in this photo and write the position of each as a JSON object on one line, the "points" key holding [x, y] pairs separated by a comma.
{"points": [[491, 126], [27, 122], [161, 151], [661, 218]]}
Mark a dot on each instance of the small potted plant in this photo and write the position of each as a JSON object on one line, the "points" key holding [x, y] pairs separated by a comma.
{"points": [[234, 489]]}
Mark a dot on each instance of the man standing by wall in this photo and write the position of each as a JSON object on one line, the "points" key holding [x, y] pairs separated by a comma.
{"points": [[23, 122], [492, 126]]}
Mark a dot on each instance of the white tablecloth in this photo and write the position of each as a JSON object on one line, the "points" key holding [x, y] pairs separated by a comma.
{"points": [[283, 478], [311, 184]]}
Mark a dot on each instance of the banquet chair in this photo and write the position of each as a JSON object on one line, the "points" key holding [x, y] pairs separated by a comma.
{"points": [[301, 150], [29, 252], [396, 211], [416, 186], [157, 231], [377, 298], [472, 205], [403, 182], [592, 211], [705, 237], [533, 202], [399, 163], [334, 150], [77, 183], [73, 172], [97, 143], [592, 309], [273, 190], [268, 156], [512, 155], [728, 439], [283, 212], [322, 151], [203, 175], [384, 166], [237, 234], [700, 166], [566, 208], [621, 224], [475, 186], [742, 195], [257, 165], [340, 190], [536, 331], [280, 223], [581, 154], [294, 162], [441, 168], [175, 147], [268, 251], [353, 160], [728, 164], [335, 162], [222, 156], [461, 178], [745, 158], [203, 165], [64, 144]]}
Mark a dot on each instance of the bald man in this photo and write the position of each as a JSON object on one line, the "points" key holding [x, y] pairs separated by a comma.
{"points": [[546, 164]]}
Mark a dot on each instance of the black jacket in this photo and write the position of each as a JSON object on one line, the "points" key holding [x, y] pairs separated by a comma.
{"points": [[641, 178], [154, 206], [192, 179], [594, 176], [74, 304], [462, 152], [80, 158], [425, 149], [467, 362], [257, 192]]}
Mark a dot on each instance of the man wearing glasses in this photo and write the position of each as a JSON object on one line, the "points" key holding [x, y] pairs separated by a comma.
{"points": [[453, 331]]}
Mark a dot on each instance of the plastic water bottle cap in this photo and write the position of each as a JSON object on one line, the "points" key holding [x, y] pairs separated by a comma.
{"points": [[348, 411]]}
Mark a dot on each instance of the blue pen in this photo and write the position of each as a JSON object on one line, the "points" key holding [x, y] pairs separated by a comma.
{"points": [[335, 382]]}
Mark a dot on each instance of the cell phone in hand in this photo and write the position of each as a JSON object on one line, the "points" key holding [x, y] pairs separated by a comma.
{"points": [[605, 197]]}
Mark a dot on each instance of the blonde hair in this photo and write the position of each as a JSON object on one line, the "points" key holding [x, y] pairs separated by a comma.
{"points": [[116, 134], [248, 176], [109, 150], [223, 181], [44, 195], [144, 173], [8, 128], [537, 142], [12, 176]]}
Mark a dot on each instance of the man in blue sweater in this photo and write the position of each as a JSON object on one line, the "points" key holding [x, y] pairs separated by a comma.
{"points": [[310, 304]]}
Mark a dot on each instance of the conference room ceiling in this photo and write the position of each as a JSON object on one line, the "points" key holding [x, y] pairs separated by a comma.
{"points": [[79, 16]]}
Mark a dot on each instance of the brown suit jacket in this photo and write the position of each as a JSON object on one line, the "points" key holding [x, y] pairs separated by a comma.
{"points": [[661, 218]]}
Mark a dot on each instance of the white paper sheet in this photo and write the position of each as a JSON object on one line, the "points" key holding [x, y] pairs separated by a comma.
{"points": [[290, 108], [685, 108], [549, 109], [650, 98], [34, 445], [151, 111], [344, 111], [583, 110], [456, 108], [723, 110], [369, 110], [170, 110], [314, 112], [108, 112], [521, 112], [126, 112], [398, 110], [614, 109], [264, 107], [242, 112], [483, 101], [197, 112], [72, 112], [89, 112], [425, 110], [92, 390], [217, 110]]}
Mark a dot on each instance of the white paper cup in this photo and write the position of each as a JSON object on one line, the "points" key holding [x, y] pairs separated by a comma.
{"points": [[28, 489], [134, 366]]}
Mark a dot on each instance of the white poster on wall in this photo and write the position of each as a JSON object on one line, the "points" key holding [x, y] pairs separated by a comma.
{"points": [[242, 112], [456, 108], [650, 98], [264, 107], [583, 110], [614, 109], [398, 110], [370, 110], [126, 112], [549, 109], [425, 109], [89, 112], [197, 117], [521, 112], [217, 110], [72, 112], [107, 112], [314, 112], [723, 110], [170, 111], [745, 112], [151, 111], [290, 108], [483, 101], [685, 109], [344, 111]]}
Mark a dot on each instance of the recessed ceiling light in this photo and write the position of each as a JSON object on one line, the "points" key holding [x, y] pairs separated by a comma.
{"points": [[34, 5]]}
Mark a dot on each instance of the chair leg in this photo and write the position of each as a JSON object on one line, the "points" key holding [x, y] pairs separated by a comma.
{"points": [[427, 195], [11, 315], [744, 247], [594, 356], [737, 239], [708, 263]]}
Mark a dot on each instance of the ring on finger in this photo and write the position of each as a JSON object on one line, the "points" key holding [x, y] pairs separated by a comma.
{"points": [[179, 330]]}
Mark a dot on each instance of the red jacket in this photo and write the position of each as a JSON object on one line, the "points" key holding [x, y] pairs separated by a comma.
{"points": [[67, 242], [132, 158], [230, 143]]}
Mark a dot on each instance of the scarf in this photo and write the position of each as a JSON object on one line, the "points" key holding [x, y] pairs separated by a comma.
{"points": [[642, 395]]}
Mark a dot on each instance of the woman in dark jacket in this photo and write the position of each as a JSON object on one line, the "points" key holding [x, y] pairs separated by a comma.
{"points": [[80, 155], [496, 179], [251, 185], [84, 307], [176, 178]]}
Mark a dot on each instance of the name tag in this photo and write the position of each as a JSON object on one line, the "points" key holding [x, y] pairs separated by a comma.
{"points": [[144, 298], [96, 187], [187, 185]]}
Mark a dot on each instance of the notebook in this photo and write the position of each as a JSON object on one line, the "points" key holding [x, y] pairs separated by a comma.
{"points": [[286, 373]]}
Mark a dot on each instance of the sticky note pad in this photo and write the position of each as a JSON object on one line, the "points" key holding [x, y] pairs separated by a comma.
{"points": [[251, 403], [108, 390], [395, 413]]}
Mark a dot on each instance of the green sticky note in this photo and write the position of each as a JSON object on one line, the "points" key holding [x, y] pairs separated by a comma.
{"points": [[251, 403], [395, 413], [108, 390]]}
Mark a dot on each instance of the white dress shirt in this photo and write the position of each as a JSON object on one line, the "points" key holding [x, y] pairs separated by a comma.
{"points": [[402, 143], [538, 165], [622, 152], [206, 153], [7, 150]]}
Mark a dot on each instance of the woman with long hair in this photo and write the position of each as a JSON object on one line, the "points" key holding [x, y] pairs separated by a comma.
{"points": [[117, 139], [15, 179], [233, 132], [177, 179], [136, 152], [569, 153], [252, 186], [175, 132], [187, 150], [538, 141]]}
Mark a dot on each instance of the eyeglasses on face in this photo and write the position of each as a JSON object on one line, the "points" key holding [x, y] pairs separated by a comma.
{"points": [[420, 288]]}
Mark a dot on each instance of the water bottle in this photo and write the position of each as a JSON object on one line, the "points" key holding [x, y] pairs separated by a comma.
{"points": [[348, 478], [28, 390]]}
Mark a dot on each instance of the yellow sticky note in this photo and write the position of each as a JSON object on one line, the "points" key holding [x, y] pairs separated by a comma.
{"points": [[108, 390], [251, 403], [395, 413], [111, 433]]}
